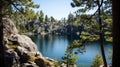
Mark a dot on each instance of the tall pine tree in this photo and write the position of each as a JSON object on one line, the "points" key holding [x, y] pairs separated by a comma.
{"points": [[87, 5]]}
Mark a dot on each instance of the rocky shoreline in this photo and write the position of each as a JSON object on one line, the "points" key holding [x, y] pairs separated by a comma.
{"points": [[53, 28], [20, 50]]}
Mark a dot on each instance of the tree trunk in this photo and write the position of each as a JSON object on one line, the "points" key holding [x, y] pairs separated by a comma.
{"points": [[116, 33], [101, 36], [101, 42], [2, 63]]}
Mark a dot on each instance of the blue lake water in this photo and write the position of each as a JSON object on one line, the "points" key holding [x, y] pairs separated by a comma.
{"points": [[54, 46]]}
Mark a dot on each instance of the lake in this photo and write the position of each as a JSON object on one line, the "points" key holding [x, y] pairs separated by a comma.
{"points": [[54, 46]]}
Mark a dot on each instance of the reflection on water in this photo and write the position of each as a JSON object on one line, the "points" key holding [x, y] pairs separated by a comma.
{"points": [[55, 45]]}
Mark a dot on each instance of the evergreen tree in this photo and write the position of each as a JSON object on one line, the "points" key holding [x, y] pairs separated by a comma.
{"points": [[41, 17], [70, 18], [87, 5], [69, 58], [46, 18], [52, 19], [97, 61]]}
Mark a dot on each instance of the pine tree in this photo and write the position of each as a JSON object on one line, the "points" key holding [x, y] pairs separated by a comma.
{"points": [[46, 19], [41, 16], [87, 5]]}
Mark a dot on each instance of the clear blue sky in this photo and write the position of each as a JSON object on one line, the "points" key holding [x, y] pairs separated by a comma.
{"points": [[56, 8]]}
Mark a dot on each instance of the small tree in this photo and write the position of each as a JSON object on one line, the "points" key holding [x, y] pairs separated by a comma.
{"points": [[97, 61], [52, 19], [70, 18], [69, 58], [41, 17], [46, 19]]}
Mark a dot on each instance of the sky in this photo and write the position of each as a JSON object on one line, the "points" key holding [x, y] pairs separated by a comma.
{"points": [[56, 8]]}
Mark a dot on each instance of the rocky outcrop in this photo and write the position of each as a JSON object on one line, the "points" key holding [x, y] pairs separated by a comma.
{"points": [[8, 27], [20, 50], [29, 64], [68, 29], [54, 28], [12, 59], [23, 41]]}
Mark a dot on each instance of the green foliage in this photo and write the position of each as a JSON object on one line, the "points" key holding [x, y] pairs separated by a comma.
{"points": [[30, 14], [20, 11], [41, 17], [69, 58], [22, 28], [46, 18], [110, 51], [108, 39], [92, 26], [84, 4], [91, 22], [12, 45], [108, 33], [70, 18], [32, 58], [79, 45], [97, 61], [10, 7], [56, 64], [52, 19], [87, 5]]}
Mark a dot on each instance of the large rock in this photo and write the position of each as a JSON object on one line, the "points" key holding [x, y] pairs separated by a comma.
{"points": [[25, 55], [12, 59], [29, 64], [23, 41], [42, 62], [20, 50], [9, 27]]}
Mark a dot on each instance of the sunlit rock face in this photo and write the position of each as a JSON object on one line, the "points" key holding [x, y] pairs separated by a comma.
{"points": [[9, 27], [20, 50], [24, 41]]}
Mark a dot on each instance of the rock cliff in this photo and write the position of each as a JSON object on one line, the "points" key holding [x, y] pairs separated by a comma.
{"points": [[20, 50]]}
